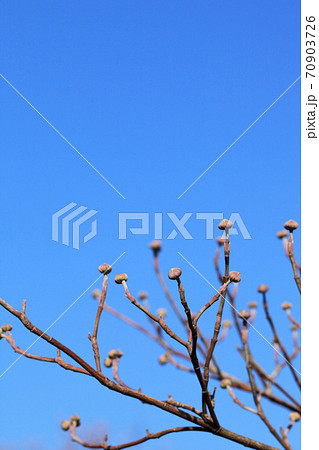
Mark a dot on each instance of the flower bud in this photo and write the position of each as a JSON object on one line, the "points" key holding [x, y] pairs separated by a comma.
{"points": [[227, 323], [142, 295], [174, 273], [253, 305], [120, 278], [96, 293], [65, 425], [6, 327], [291, 225], [224, 383], [294, 416], [220, 241], [161, 312], [105, 268], [225, 224], [115, 354], [294, 327], [262, 288], [244, 314], [286, 305], [282, 234], [162, 359], [108, 362], [75, 418], [155, 246], [234, 276]]}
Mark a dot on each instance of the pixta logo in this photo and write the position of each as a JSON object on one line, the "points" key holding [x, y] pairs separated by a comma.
{"points": [[66, 215]]}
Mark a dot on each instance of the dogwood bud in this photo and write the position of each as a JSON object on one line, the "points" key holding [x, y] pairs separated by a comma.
{"points": [[161, 312], [115, 354], [286, 306], [244, 314], [142, 295], [282, 234], [162, 359], [105, 268], [119, 278], [75, 418], [108, 362], [225, 382], [155, 246], [96, 293], [65, 425], [174, 273], [234, 276], [225, 224], [291, 225], [262, 288]]}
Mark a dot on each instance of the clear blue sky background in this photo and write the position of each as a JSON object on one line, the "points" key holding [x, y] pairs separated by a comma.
{"points": [[151, 93]]}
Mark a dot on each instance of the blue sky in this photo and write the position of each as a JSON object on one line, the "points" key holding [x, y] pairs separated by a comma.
{"points": [[151, 93]]}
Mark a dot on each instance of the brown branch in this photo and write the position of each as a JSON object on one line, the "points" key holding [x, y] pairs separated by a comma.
{"points": [[292, 320], [160, 320], [102, 379], [58, 360], [191, 346], [256, 398], [238, 402], [93, 338], [173, 402], [149, 436], [278, 341], [211, 302], [231, 295], [166, 290], [293, 261], [269, 378], [216, 373], [115, 369]]}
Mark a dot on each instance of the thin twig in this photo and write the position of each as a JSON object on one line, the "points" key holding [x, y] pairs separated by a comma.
{"points": [[278, 341]]}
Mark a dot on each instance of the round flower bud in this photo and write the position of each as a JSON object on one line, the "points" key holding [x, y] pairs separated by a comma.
{"points": [[120, 278], [174, 273], [234, 276], [96, 293], [227, 323], [291, 225], [75, 418], [142, 295], [225, 382], [161, 312], [108, 362], [281, 234], [220, 241], [65, 425], [115, 354], [6, 327], [294, 416], [105, 268], [294, 327], [162, 359], [286, 305], [253, 305], [262, 288], [244, 314], [155, 246], [225, 224]]}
